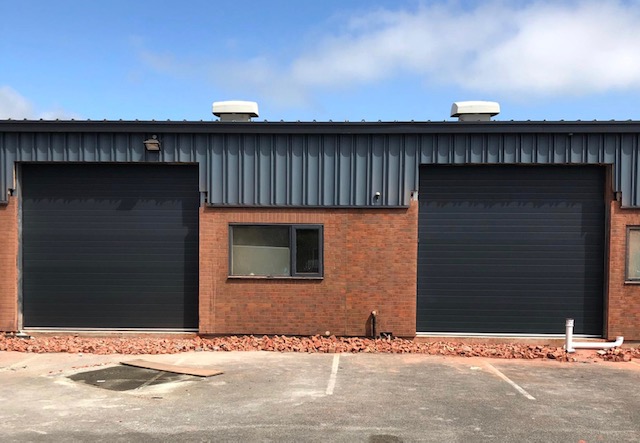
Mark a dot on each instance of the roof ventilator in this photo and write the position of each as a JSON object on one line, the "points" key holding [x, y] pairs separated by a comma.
{"points": [[235, 110], [475, 111]]}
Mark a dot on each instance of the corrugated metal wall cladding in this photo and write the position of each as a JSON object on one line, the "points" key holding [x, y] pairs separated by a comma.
{"points": [[324, 169], [295, 170]]}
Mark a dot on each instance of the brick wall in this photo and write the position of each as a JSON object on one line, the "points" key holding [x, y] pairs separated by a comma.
{"points": [[370, 263], [8, 266], [624, 298]]}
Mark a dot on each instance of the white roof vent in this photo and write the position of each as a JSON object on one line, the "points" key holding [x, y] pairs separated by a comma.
{"points": [[475, 111], [235, 110]]}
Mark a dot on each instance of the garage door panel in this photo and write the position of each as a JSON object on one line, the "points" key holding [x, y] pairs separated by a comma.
{"points": [[510, 249], [126, 313], [161, 291], [133, 262], [560, 233], [533, 258], [505, 270], [499, 301], [150, 296], [86, 226], [110, 246], [475, 225], [489, 285]]}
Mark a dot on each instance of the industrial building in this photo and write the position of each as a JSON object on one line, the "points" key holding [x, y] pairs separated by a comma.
{"points": [[470, 227]]}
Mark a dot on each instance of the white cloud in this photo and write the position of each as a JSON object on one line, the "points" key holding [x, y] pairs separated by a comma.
{"points": [[537, 48], [15, 106], [540, 48], [559, 49]]}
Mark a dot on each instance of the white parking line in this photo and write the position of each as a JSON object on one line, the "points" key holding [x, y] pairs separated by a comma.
{"points": [[511, 382], [151, 380], [334, 374]]}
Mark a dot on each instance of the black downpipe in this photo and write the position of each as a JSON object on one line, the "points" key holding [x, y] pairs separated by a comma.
{"points": [[374, 315]]}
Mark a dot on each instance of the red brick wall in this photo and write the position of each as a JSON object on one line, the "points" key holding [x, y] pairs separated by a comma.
{"points": [[624, 298], [8, 266], [370, 263]]}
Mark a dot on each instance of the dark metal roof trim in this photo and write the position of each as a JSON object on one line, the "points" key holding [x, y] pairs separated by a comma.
{"points": [[299, 207], [445, 127]]}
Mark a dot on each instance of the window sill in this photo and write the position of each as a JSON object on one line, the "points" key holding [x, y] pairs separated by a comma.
{"points": [[632, 282], [275, 277]]}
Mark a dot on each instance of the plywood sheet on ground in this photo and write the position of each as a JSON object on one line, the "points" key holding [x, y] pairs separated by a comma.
{"points": [[199, 372]]}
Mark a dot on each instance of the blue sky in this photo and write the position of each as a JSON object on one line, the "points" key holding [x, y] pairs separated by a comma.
{"points": [[319, 60]]}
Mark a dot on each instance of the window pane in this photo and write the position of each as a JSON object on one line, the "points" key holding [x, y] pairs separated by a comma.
{"points": [[261, 236], [633, 245], [260, 250], [307, 251]]}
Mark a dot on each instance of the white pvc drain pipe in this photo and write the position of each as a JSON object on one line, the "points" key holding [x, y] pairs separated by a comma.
{"points": [[571, 346]]}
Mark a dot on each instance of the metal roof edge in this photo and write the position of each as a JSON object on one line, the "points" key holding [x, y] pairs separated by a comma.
{"points": [[302, 206], [267, 127]]}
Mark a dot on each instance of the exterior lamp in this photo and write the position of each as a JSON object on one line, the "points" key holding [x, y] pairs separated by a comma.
{"points": [[152, 144]]}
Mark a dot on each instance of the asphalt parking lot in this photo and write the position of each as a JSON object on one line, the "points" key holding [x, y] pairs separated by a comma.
{"points": [[265, 396]]}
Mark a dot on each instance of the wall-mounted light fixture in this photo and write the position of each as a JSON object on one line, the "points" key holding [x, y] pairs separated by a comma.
{"points": [[152, 144]]}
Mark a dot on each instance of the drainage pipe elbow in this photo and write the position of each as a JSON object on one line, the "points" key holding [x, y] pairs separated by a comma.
{"points": [[571, 346], [597, 345]]}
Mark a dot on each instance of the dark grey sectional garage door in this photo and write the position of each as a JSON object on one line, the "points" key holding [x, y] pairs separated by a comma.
{"points": [[511, 249], [110, 246]]}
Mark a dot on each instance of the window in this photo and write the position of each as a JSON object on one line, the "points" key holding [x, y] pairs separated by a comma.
{"points": [[633, 253], [276, 250]]}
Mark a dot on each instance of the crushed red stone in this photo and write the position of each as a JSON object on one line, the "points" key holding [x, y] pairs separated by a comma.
{"points": [[315, 344]]}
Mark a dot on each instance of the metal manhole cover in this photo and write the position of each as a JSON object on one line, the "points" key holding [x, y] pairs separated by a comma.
{"points": [[126, 378]]}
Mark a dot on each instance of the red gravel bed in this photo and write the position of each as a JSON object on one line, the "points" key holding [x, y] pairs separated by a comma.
{"points": [[315, 344]]}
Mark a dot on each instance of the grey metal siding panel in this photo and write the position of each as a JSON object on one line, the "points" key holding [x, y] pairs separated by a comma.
{"points": [[345, 167], [511, 249]]}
